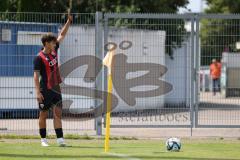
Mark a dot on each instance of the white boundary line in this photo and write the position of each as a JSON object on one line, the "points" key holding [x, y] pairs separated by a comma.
{"points": [[123, 156]]}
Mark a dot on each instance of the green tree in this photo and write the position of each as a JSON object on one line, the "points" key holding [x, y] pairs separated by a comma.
{"points": [[223, 6], [174, 28], [91, 6], [219, 35]]}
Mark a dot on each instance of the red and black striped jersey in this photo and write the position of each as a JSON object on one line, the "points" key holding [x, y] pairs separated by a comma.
{"points": [[47, 65]]}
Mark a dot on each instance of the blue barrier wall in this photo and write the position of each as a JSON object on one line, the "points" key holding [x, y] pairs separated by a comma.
{"points": [[17, 60]]}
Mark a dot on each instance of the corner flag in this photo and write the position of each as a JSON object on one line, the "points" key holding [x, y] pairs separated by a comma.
{"points": [[108, 61]]}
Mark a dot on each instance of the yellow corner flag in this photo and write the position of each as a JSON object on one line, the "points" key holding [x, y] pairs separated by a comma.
{"points": [[108, 61]]}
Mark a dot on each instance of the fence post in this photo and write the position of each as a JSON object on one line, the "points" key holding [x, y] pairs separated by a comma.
{"points": [[105, 41], [192, 73], [99, 54], [198, 62]]}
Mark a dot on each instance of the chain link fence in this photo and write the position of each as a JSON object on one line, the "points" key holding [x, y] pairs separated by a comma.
{"points": [[219, 95], [20, 42], [161, 75], [153, 80]]}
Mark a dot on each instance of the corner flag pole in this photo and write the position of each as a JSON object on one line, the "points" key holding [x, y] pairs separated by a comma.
{"points": [[108, 116], [108, 61]]}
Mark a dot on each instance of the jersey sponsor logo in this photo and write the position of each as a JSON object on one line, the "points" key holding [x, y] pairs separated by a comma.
{"points": [[53, 62]]}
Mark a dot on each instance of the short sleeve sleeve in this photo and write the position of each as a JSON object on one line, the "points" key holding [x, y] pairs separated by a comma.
{"points": [[37, 63]]}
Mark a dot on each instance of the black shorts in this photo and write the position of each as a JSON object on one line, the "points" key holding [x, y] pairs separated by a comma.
{"points": [[51, 98]]}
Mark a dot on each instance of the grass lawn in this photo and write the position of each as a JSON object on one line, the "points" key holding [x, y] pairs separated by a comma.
{"points": [[30, 149]]}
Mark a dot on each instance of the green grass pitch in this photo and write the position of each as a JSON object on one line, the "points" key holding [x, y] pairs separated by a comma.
{"points": [[192, 149]]}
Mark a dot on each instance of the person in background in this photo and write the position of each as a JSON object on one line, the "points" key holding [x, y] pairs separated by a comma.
{"points": [[215, 73]]}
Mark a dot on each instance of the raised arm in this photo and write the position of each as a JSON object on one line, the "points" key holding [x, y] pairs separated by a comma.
{"points": [[64, 29]]}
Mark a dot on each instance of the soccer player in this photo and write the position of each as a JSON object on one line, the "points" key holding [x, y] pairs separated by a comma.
{"points": [[47, 79]]}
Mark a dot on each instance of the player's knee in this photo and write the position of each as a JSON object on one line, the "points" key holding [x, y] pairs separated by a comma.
{"points": [[43, 116], [42, 119], [57, 116], [57, 113]]}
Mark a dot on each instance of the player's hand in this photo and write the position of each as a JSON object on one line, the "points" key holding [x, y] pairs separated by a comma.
{"points": [[40, 97], [70, 18]]}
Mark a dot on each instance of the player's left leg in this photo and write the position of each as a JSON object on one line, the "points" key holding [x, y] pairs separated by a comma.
{"points": [[57, 120], [57, 115]]}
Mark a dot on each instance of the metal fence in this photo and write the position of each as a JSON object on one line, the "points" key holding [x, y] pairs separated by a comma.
{"points": [[19, 43], [161, 46], [218, 38], [158, 77]]}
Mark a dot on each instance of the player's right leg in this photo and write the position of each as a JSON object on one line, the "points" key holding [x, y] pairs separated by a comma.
{"points": [[42, 127], [44, 108]]}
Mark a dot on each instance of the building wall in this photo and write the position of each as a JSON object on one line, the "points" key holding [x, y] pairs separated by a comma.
{"points": [[17, 53]]}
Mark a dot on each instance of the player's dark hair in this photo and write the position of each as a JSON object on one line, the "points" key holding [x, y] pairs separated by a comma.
{"points": [[48, 38]]}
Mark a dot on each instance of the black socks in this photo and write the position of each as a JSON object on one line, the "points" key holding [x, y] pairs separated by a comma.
{"points": [[43, 132], [59, 132]]}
